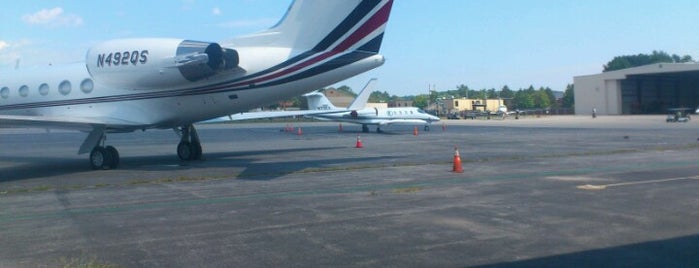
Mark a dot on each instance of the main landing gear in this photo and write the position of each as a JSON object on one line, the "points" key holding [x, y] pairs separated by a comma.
{"points": [[107, 157], [189, 147], [365, 128], [104, 157]]}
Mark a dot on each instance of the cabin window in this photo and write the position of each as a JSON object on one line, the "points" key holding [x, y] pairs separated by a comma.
{"points": [[87, 85], [65, 87], [44, 89], [5, 92], [24, 91]]}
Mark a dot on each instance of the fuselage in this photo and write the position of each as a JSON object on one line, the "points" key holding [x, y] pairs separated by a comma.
{"points": [[71, 91], [376, 116]]}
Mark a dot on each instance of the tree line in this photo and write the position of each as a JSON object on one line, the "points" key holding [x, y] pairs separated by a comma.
{"points": [[629, 61], [527, 98]]}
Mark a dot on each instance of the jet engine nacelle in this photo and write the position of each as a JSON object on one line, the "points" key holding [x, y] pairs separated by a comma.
{"points": [[157, 63]]}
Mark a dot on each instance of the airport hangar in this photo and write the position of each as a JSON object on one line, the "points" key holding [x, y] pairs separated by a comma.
{"points": [[648, 89]]}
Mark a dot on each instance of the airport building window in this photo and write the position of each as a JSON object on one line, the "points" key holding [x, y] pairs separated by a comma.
{"points": [[44, 89], [24, 91], [5, 92], [65, 87], [87, 85]]}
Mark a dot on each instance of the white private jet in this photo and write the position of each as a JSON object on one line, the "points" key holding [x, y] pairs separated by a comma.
{"points": [[372, 116], [157, 83], [321, 108]]}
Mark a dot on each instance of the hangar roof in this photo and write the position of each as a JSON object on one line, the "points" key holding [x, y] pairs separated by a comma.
{"points": [[656, 68]]}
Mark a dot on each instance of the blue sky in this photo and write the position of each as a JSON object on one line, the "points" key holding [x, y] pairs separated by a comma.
{"points": [[428, 44]]}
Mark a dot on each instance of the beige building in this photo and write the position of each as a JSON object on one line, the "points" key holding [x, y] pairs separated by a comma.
{"points": [[463, 104], [338, 98], [649, 89]]}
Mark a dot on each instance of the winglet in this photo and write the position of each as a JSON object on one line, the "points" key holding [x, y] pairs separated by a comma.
{"points": [[363, 97]]}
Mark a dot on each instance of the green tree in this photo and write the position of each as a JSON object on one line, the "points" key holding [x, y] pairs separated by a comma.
{"points": [[481, 94], [551, 98], [420, 101], [506, 92], [434, 95], [346, 89], [378, 96], [541, 99], [523, 99], [658, 56], [491, 94], [462, 91], [569, 97]]}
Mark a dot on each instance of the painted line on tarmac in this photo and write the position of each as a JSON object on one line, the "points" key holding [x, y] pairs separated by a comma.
{"points": [[605, 186]]}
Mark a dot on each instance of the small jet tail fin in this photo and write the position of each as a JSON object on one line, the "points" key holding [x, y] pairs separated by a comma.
{"points": [[363, 97], [337, 25], [318, 101]]}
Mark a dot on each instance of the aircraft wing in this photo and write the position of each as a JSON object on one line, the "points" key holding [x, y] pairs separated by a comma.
{"points": [[271, 114], [59, 122]]}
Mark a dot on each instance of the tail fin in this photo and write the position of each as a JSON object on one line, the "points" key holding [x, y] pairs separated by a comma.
{"points": [[361, 99], [336, 25], [318, 101]]}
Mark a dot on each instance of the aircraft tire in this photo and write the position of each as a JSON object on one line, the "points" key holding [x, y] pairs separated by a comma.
{"points": [[196, 151], [99, 158], [114, 157], [185, 151]]}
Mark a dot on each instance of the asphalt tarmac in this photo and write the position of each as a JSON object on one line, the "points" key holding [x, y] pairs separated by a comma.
{"points": [[550, 191]]}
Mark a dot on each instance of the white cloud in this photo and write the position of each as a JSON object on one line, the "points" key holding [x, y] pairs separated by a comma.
{"points": [[3, 45], [52, 17], [216, 11]]}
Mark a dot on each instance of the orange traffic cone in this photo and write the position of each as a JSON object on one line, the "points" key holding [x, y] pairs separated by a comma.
{"points": [[415, 131], [457, 162], [300, 132], [359, 143]]}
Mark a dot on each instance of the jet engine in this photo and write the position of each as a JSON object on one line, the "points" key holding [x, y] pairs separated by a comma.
{"points": [[157, 63]]}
